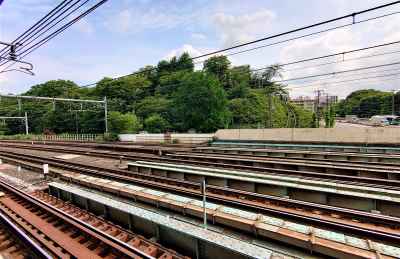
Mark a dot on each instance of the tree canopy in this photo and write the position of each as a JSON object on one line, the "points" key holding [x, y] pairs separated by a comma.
{"points": [[368, 102], [171, 96]]}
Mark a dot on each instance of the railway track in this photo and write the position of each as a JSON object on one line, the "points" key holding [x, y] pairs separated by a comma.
{"points": [[333, 156], [337, 174], [67, 232], [376, 227], [14, 243]]}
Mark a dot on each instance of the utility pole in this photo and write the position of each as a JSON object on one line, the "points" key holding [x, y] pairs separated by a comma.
{"points": [[394, 93], [328, 111], [270, 123], [203, 192], [26, 124], [317, 107], [105, 114]]}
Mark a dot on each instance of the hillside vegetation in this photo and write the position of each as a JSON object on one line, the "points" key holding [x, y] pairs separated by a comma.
{"points": [[172, 96]]}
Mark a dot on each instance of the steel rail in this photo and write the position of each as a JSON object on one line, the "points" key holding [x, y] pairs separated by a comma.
{"points": [[35, 249], [205, 161], [72, 220], [253, 201]]}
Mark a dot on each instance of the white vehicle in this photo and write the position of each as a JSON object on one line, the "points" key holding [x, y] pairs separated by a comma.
{"points": [[381, 120]]}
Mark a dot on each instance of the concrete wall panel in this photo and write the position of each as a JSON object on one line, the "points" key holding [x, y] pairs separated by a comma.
{"points": [[335, 135]]}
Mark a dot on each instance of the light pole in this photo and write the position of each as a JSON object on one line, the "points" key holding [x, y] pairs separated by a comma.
{"points": [[393, 95]]}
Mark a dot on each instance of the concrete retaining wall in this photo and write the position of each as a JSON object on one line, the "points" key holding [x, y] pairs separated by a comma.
{"points": [[321, 135]]}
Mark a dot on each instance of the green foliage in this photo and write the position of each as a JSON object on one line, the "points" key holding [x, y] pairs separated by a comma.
{"points": [[56, 88], [153, 105], [123, 123], [219, 67], [329, 116], [303, 118], [169, 96], [108, 137], [201, 103], [156, 124], [366, 103], [247, 112], [315, 121]]}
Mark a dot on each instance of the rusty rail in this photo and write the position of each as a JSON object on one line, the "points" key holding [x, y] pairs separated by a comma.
{"points": [[66, 235], [270, 205], [242, 163], [16, 244]]}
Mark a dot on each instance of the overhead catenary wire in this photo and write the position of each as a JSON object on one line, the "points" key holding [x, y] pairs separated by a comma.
{"points": [[313, 59], [310, 34], [295, 61], [38, 23], [60, 30], [349, 80], [336, 72], [48, 26], [352, 15], [327, 80], [345, 60]]}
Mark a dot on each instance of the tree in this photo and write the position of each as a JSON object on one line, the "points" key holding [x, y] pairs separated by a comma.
{"points": [[366, 103], [315, 121], [219, 67], [329, 116], [185, 63], [123, 123], [170, 96], [247, 112], [125, 91], [156, 124], [201, 103], [303, 118], [55, 88], [153, 105]]}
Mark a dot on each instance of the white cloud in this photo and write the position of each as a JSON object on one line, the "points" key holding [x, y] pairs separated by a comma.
{"points": [[198, 36], [84, 27], [241, 28], [135, 20], [193, 52], [336, 42]]}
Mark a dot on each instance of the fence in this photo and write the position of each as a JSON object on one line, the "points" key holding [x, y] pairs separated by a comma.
{"points": [[67, 137], [61, 137]]}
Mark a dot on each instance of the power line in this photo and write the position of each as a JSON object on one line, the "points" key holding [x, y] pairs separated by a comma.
{"points": [[55, 10], [351, 80], [352, 15], [337, 72], [28, 40], [306, 60], [345, 60], [311, 34], [288, 63], [307, 84], [60, 30]]}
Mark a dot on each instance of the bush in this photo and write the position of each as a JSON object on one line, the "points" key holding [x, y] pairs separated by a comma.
{"points": [[156, 124], [123, 123], [110, 137]]}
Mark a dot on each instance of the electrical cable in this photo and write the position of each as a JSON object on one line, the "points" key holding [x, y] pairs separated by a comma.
{"points": [[353, 15], [326, 81], [54, 11], [32, 38], [337, 72], [346, 81], [60, 30]]}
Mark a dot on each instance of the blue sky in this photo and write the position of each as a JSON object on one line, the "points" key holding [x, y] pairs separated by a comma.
{"points": [[125, 35]]}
